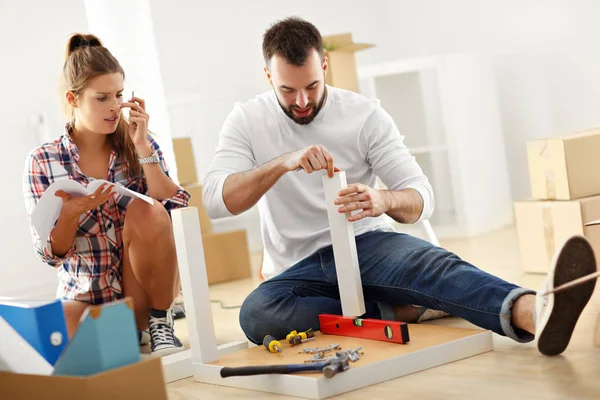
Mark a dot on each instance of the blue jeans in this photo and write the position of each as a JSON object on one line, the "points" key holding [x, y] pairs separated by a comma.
{"points": [[395, 269]]}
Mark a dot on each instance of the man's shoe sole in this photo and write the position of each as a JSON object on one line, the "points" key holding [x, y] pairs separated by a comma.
{"points": [[575, 260]]}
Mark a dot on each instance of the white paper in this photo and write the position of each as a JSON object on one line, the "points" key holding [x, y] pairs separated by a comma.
{"points": [[47, 210], [18, 356]]}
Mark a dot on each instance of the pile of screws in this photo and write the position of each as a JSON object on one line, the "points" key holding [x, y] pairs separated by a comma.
{"points": [[319, 354]]}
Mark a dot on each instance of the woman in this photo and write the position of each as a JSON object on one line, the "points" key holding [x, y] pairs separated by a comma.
{"points": [[106, 246]]}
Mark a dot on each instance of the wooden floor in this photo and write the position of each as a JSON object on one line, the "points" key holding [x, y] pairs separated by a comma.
{"points": [[513, 370]]}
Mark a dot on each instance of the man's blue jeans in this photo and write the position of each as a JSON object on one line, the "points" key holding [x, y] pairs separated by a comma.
{"points": [[395, 269]]}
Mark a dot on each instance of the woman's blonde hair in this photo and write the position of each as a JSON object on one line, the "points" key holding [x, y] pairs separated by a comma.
{"points": [[85, 59]]}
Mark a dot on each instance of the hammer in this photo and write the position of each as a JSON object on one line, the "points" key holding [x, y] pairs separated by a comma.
{"points": [[336, 364], [329, 367]]}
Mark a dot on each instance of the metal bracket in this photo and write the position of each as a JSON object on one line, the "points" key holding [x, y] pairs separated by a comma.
{"points": [[314, 350], [354, 354]]}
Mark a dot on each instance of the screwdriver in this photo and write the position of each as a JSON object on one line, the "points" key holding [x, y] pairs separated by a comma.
{"points": [[272, 344], [295, 338]]}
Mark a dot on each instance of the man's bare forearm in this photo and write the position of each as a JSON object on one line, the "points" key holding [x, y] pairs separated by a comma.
{"points": [[243, 190], [404, 206]]}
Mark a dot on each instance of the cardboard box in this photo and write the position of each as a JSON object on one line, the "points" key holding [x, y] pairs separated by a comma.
{"points": [[565, 168], [195, 192], [142, 380], [543, 226], [340, 50], [184, 158], [227, 256], [597, 332], [226, 253]]}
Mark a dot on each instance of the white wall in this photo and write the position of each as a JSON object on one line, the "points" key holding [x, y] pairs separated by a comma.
{"points": [[544, 54], [32, 44]]}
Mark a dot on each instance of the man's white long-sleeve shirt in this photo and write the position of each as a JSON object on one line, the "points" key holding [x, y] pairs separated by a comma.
{"points": [[364, 142]]}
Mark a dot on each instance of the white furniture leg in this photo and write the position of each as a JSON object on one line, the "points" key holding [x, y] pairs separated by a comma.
{"points": [[344, 249], [192, 272], [429, 233], [196, 297]]}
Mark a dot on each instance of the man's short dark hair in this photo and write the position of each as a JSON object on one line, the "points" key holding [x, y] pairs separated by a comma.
{"points": [[293, 39]]}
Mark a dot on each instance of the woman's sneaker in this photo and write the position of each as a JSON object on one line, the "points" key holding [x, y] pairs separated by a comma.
{"points": [[162, 337], [144, 337]]}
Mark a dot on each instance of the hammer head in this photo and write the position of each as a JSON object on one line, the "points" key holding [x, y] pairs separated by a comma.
{"points": [[336, 364]]}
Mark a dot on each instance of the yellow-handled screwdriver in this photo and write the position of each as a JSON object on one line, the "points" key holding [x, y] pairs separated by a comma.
{"points": [[295, 338], [272, 344]]}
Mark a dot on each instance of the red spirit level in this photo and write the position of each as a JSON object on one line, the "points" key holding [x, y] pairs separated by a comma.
{"points": [[375, 329]]}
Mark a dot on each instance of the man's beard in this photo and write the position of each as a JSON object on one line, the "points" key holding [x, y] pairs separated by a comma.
{"points": [[309, 118]]}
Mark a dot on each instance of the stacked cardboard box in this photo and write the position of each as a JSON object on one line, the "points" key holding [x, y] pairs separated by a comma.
{"points": [[565, 188], [226, 253], [339, 50]]}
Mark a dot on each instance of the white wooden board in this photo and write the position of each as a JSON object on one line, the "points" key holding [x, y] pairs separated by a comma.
{"points": [[344, 249], [315, 386]]}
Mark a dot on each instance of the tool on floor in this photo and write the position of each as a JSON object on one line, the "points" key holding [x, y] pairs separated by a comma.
{"points": [[574, 282], [354, 354], [319, 357], [272, 344], [296, 342], [336, 365], [329, 368], [374, 329], [315, 350], [295, 338]]}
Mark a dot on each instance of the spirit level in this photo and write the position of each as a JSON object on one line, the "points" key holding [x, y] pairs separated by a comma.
{"points": [[374, 329]]}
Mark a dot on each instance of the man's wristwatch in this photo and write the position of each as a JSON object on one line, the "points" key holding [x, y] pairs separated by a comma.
{"points": [[153, 159]]}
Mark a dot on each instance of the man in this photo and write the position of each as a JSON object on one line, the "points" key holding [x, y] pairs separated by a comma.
{"points": [[270, 151]]}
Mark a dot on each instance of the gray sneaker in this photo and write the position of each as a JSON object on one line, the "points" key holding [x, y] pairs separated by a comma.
{"points": [[162, 337], [557, 313], [144, 337]]}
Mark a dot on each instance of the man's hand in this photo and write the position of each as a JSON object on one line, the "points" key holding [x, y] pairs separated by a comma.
{"points": [[371, 201], [313, 158]]}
